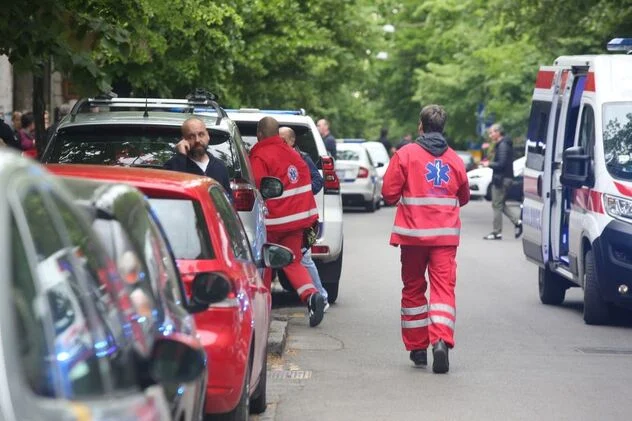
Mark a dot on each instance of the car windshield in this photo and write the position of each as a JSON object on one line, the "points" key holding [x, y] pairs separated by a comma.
{"points": [[617, 139], [377, 152], [130, 146], [184, 224], [344, 154], [304, 137]]}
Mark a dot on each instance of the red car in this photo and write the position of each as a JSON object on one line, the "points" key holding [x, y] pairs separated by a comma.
{"points": [[209, 241]]}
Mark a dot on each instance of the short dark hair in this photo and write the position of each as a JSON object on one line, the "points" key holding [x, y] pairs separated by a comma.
{"points": [[384, 132], [27, 119], [432, 118]]}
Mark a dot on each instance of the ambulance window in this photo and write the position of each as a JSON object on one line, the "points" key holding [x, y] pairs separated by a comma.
{"points": [[536, 135], [587, 130]]}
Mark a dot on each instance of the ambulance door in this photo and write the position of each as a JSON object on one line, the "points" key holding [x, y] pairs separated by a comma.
{"points": [[561, 197], [545, 107]]}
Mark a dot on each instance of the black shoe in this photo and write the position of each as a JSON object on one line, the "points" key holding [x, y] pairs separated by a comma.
{"points": [[440, 363], [316, 309], [518, 231], [419, 357], [493, 236]]}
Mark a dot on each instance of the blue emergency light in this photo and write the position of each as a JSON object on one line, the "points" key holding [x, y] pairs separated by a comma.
{"points": [[620, 44]]}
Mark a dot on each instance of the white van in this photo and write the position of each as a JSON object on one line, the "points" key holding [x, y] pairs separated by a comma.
{"points": [[577, 210]]}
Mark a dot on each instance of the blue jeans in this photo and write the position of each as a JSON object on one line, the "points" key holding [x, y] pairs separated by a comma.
{"points": [[309, 264]]}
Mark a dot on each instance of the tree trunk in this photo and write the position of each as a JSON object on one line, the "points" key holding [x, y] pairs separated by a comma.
{"points": [[39, 106]]}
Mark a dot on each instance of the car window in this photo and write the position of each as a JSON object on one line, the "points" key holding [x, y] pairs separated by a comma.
{"points": [[184, 224], [232, 223], [617, 139], [87, 344], [536, 134], [130, 145], [347, 155], [377, 152], [304, 137]]}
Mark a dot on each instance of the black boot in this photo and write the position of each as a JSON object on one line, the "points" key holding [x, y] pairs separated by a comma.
{"points": [[440, 363], [419, 357], [518, 231]]}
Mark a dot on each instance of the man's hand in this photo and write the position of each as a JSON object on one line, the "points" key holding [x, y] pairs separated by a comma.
{"points": [[183, 147]]}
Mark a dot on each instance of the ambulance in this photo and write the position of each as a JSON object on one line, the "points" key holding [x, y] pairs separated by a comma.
{"points": [[577, 209]]}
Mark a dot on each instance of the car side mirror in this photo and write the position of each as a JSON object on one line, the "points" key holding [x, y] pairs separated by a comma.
{"points": [[176, 359], [276, 256], [379, 165], [271, 187], [575, 168], [209, 288]]}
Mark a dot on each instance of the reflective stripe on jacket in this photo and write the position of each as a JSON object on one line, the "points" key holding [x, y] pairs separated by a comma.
{"points": [[296, 208], [430, 190]]}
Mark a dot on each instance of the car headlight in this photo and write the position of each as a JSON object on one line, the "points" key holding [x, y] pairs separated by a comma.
{"points": [[618, 207]]}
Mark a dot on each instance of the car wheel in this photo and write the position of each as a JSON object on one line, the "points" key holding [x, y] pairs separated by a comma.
{"points": [[330, 276], [370, 206], [551, 286], [258, 402], [596, 310], [488, 193], [242, 410], [378, 204]]}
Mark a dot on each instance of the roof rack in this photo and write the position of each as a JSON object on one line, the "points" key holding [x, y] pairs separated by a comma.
{"points": [[300, 111], [199, 100]]}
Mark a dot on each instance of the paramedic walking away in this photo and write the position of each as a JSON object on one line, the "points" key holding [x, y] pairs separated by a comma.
{"points": [[502, 165], [429, 180]]}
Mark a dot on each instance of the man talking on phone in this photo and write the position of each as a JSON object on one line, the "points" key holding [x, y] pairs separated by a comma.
{"points": [[192, 156]]}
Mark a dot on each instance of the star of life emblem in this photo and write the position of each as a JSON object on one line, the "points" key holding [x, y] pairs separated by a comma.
{"points": [[437, 172], [292, 174]]}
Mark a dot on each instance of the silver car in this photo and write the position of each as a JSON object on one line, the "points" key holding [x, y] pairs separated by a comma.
{"points": [[360, 184], [67, 343], [143, 132]]}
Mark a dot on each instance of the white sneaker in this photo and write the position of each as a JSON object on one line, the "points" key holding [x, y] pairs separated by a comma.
{"points": [[326, 306]]}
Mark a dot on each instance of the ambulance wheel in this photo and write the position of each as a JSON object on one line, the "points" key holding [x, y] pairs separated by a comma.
{"points": [[596, 310], [552, 287]]}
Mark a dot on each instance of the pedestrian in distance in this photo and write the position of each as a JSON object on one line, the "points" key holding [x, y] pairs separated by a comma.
{"points": [[293, 212], [328, 138], [408, 138], [384, 141], [428, 179], [27, 135], [502, 165], [192, 156], [7, 135], [317, 184]]}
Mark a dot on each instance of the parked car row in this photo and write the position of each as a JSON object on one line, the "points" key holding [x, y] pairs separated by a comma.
{"points": [[480, 180], [144, 282]]}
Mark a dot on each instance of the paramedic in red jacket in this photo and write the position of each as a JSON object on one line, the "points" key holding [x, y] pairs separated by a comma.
{"points": [[428, 178], [291, 213]]}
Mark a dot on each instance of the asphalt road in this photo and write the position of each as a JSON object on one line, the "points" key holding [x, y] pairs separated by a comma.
{"points": [[515, 359]]}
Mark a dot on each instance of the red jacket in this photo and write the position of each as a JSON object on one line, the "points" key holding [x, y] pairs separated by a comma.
{"points": [[296, 208], [431, 189]]}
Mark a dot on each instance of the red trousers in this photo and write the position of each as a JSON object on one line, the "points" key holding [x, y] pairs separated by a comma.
{"points": [[295, 271], [426, 323]]}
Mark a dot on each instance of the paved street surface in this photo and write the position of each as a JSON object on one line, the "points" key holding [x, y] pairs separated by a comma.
{"points": [[515, 359]]}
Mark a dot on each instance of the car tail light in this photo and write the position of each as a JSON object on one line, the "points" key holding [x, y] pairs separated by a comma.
{"points": [[332, 183], [363, 172], [243, 195], [320, 249]]}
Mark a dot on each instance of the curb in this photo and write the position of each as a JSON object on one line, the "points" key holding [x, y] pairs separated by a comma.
{"points": [[277, 337]]}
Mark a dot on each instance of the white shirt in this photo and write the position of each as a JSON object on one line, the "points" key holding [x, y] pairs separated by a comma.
{"points": [[202, 165]]}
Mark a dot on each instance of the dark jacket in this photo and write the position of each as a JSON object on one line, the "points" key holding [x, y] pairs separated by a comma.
{"points": [[330, 144], [215, 169], [387, 144], [317, 179], [502, 163], [8, 135]]}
